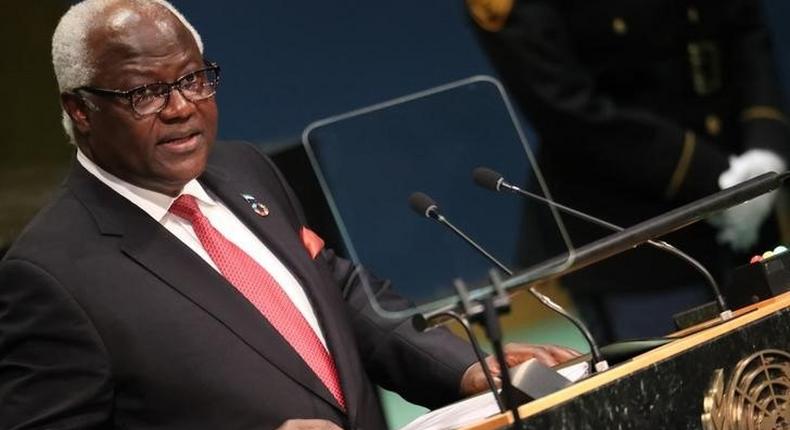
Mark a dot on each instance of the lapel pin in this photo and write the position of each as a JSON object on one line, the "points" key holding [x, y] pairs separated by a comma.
{"points": [[258, 208]]}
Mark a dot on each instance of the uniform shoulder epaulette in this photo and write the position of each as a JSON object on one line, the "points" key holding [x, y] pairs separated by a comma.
{"points": [[490, 15]]}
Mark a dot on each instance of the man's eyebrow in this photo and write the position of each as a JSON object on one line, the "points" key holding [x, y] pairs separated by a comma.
{"points": [[138, 78]]}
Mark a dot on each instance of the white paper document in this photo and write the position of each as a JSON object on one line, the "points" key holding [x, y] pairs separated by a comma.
{"points": [[476, 408]]}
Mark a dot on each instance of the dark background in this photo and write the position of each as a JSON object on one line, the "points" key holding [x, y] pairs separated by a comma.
{"points": [[285, 64]]}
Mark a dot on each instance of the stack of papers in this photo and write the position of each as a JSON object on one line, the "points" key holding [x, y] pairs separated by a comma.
{"points": [[479, 407]]}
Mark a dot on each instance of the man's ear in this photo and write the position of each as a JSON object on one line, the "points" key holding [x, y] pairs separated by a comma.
{"points": [[77, 109]]}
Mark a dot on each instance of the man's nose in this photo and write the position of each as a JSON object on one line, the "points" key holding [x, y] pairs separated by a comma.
{"points": [[177, 106]]}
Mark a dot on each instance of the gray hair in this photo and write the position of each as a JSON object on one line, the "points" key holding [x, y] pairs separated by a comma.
{"points": [[70, 57]]}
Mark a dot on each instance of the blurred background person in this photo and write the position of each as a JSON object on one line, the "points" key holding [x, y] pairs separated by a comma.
{"points": [[642, 107]]}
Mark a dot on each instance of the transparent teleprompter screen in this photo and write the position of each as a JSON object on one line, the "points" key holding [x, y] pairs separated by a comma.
{"points": [[371, 160]]}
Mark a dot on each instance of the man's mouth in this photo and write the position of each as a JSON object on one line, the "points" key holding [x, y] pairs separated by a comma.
{"points": [[181, 142]]}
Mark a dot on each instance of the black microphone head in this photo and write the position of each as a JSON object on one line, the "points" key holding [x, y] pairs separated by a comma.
{"points": [[487, 178], [423, 204], [419, 322]]}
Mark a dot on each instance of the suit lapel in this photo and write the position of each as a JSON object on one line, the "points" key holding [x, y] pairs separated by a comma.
{"points": [[277, 232], [158, 251]]}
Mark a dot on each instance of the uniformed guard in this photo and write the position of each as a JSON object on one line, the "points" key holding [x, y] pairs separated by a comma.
{"points": [[642, 106]]}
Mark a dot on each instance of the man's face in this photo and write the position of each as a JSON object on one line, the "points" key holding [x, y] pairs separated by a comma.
{"points": [[161, 151]]}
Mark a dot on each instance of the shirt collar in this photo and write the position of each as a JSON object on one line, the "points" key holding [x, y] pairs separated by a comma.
{"points": [[151, 202]]}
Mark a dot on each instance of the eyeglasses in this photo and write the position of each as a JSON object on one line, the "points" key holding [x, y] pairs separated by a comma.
{"points": [[152, 98]]}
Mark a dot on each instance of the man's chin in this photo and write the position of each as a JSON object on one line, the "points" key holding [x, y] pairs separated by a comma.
{"points": [[173, 181]]}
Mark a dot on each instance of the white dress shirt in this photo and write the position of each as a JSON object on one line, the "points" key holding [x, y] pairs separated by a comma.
{"points": [[156, 205]]}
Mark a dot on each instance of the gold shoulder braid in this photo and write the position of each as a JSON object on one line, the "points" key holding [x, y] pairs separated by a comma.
{"points": [[684, 161], [763, 112], [490, 15]]}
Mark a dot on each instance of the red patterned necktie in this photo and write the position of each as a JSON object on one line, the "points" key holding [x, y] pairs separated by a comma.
{"points": [[263, 291]]}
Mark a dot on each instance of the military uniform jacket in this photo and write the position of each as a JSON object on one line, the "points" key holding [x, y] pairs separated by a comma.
{"points": [[639, 105]]}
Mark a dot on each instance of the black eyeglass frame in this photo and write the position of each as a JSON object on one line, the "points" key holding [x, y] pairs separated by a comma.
{"points": [[129, 94]]}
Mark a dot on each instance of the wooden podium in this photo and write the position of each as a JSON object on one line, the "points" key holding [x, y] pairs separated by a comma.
{"points": [[728, 376]]}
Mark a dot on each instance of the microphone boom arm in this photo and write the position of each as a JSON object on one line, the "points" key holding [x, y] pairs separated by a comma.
{"points": [[647, 230]]}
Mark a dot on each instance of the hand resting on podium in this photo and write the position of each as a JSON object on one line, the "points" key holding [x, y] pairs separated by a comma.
{"points": [[474, 380]]}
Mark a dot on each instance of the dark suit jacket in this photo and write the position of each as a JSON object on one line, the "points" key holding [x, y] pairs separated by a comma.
{"points": [[109, 321]]}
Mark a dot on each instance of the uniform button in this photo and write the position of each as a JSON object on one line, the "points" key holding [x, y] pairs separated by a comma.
{"points": [[713, 125], [619, 26], [693, 14]]}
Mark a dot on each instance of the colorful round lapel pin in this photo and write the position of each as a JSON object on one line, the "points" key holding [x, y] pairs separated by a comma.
{"points": [[258, 208]]}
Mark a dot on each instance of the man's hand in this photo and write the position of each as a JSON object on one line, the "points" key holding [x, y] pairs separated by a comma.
{"points": [[474, 380], [308, 425]]}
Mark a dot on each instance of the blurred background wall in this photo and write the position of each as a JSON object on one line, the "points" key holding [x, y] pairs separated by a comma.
{"points": [[285, 64], [33, 151]]}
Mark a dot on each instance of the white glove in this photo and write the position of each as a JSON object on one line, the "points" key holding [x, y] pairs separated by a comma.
{"points": [[739, 226]]}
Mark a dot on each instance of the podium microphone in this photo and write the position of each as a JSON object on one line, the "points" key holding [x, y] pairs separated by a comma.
{"points": [[425, 206], [494, 181]]}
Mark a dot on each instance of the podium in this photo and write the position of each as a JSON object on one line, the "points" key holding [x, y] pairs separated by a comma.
{"points": [[727, 376]]}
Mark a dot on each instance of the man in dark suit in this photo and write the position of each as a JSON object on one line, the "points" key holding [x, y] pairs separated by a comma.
{"points": [[643, 106], [174, 285]]}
